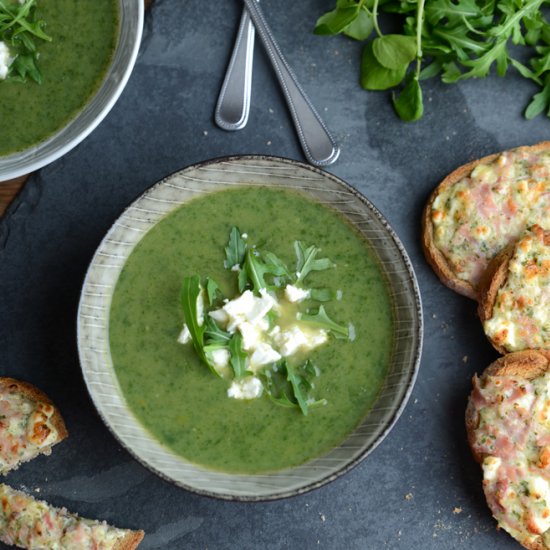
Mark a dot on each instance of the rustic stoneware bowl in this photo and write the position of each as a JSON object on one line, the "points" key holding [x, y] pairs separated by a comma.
{"points": [[124, 57], [144, 213]]}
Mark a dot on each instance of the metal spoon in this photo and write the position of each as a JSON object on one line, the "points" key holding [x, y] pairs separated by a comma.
{"points": [[234, 100], [319, 146]]}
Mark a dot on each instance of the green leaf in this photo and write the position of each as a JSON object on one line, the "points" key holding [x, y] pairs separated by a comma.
{"points": [[238, 355], [306, 260], [375, 76], [190, 295], [212, 290], [409, 104], [321, 294], [213, 334], [235, 249], [335, 21], [361, 27], [300, 388], [539, 103], [322, 320], [394, 51]]}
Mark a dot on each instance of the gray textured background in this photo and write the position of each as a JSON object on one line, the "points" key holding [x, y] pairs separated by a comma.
{"points": [[419, 488]]}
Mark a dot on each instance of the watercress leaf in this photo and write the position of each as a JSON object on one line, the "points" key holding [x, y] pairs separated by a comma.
{"points": [[451, 72], [322, 320], [409, 104], [394, 51], [307, 261], [361, 27], [335, 21], [375, 76], [235, 249], [431, 70], [238, 355], [24, 65], [525, 71]]}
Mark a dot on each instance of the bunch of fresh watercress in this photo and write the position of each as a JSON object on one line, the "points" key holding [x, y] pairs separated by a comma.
{"points": [[455, 39], [286, 384], [19, 31]]}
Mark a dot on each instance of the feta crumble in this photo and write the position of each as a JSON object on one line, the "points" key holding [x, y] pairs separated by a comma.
{"points": [[249, 387], [5, 60], [294, 294]]}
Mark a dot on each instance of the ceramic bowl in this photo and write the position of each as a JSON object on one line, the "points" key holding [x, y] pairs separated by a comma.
{"points": [[171, 193], [131, 14]]}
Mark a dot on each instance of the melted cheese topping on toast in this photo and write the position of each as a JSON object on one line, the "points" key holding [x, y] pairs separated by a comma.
{"points": [[26, 429], [514, 437], [477, 217], [521, 314], [33, 524]]}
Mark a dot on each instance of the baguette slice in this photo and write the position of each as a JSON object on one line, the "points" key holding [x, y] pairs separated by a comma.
{"points": [[34, 524], [480, 208], [514, 297], [508, 427], [30, 424]]}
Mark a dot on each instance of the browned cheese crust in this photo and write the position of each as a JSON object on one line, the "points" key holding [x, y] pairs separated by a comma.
{"points": [[493, 279], [130, 541], [32, 393], [435, 258], [529, 364]]}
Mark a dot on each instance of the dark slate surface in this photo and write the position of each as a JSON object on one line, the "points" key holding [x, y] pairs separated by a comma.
{"points": [[420, 488]]}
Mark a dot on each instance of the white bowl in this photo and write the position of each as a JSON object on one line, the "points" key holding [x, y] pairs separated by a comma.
{"points": [[142, 215], [124, 57]]}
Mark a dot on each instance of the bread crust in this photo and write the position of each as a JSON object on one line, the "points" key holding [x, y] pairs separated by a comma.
{"points": [[433, 255], [130, 541], [35, 395], [528, 364], [494, 278]]}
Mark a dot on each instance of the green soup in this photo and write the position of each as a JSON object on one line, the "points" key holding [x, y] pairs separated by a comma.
{"points": [[73, 65], [178, 399]]}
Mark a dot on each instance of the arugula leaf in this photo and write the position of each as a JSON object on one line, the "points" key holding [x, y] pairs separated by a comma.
{"points": [[212, 290], [213, 334], [257, 265], [456, 39], [306, 260], [322, 320], [238, 355], [190, 295], [235, 249], [18, 30]]}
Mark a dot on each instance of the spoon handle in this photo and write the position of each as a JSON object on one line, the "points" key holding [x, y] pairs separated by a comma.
{"points": [[234, 100], [319, 146]]}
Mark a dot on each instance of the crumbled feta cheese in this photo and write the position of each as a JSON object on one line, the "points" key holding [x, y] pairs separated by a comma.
{"points": [[294, 294], [249, 387], [262, 355], [5, 60], [351, 332], [185, 335], [235, 267], [220, 358], [253, 333], [293, 339], [339, 294], [490, 466], [247, 307]]}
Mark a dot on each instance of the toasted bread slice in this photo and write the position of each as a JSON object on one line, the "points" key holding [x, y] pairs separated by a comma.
{"points": [[514, 294], [30, 424], [34, 524], [480, 208], [508, 426]]}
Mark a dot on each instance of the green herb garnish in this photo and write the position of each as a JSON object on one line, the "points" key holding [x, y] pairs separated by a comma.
{"points": [[286, 381], [19, 30], [455, 39]]}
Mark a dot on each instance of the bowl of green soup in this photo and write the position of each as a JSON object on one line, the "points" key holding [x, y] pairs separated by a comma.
{"points": [[63, 65], [250, 328]]}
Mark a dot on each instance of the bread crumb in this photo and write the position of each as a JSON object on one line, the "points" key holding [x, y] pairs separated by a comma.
{"points": [[322, 516], [457, 510], [268, 142], [205, 132], [465, 359], [409, 496]]}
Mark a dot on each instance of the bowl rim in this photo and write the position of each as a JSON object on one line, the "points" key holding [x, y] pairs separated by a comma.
{"points": [[412, 373], [96, 108]]}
